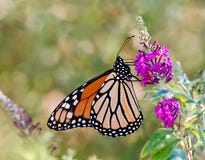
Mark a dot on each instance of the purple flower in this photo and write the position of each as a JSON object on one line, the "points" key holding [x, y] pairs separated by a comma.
{"points": [[154, 65], [21, 119], [167, 110]]}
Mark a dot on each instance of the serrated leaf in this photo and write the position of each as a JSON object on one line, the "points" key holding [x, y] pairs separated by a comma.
{"points": [[166, 151], [157, 141]]}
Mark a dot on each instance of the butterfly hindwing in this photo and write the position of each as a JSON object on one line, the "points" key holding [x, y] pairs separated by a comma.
{"points": [[115, 110]]}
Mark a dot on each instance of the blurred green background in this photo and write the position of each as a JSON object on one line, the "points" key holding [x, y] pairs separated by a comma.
{"points": [[50, 47]]}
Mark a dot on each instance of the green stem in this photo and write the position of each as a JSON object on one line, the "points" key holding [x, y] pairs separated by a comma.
{"points": [[187, 147], [194, 118]]}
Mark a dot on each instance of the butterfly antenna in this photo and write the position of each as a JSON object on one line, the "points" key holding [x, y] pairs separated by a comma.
{"points": [[124, 44]]}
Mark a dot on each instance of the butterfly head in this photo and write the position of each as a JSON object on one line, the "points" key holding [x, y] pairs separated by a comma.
{"points": [[122, 70]]}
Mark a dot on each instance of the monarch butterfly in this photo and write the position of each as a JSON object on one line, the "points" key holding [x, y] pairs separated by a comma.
{"points": [[106, 103]]}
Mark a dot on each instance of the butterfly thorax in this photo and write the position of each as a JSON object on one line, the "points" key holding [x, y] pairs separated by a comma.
{"points": [[122, 70]]}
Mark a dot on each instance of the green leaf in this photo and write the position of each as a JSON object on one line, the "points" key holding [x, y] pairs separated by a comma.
{"points": [[202, 99], [175, 86], [181, 96], [166, 151], [178, 153], [180, 75], [160, 93], [201, 135], [152, 89], [157, 141]]}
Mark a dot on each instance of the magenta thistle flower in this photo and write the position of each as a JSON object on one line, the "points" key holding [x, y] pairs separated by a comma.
{"points": [[167, 110], [155, 65]]}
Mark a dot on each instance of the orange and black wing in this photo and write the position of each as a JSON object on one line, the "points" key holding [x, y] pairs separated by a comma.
{"points": [[107, 103], [115, 110], [75, 110]]}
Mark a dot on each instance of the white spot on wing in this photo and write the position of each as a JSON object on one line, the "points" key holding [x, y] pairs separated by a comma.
{"points": [[73, 121], [66, 105], [52, 118], [67, 98], [74, 97], [75, 102], [74, 92]]}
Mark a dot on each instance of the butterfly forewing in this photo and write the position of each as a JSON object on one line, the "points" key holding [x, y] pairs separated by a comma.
{"points": [[74, 110]]}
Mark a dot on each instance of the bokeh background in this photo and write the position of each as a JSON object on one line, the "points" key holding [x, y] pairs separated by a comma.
{"points": [[50, 47]]}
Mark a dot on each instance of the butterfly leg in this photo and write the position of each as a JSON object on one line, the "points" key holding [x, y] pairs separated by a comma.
{"points": [[136, 79]]}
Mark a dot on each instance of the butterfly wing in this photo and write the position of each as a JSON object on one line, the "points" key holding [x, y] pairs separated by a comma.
{"points": [[107, 103], [115, 110], [74, 110]]}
